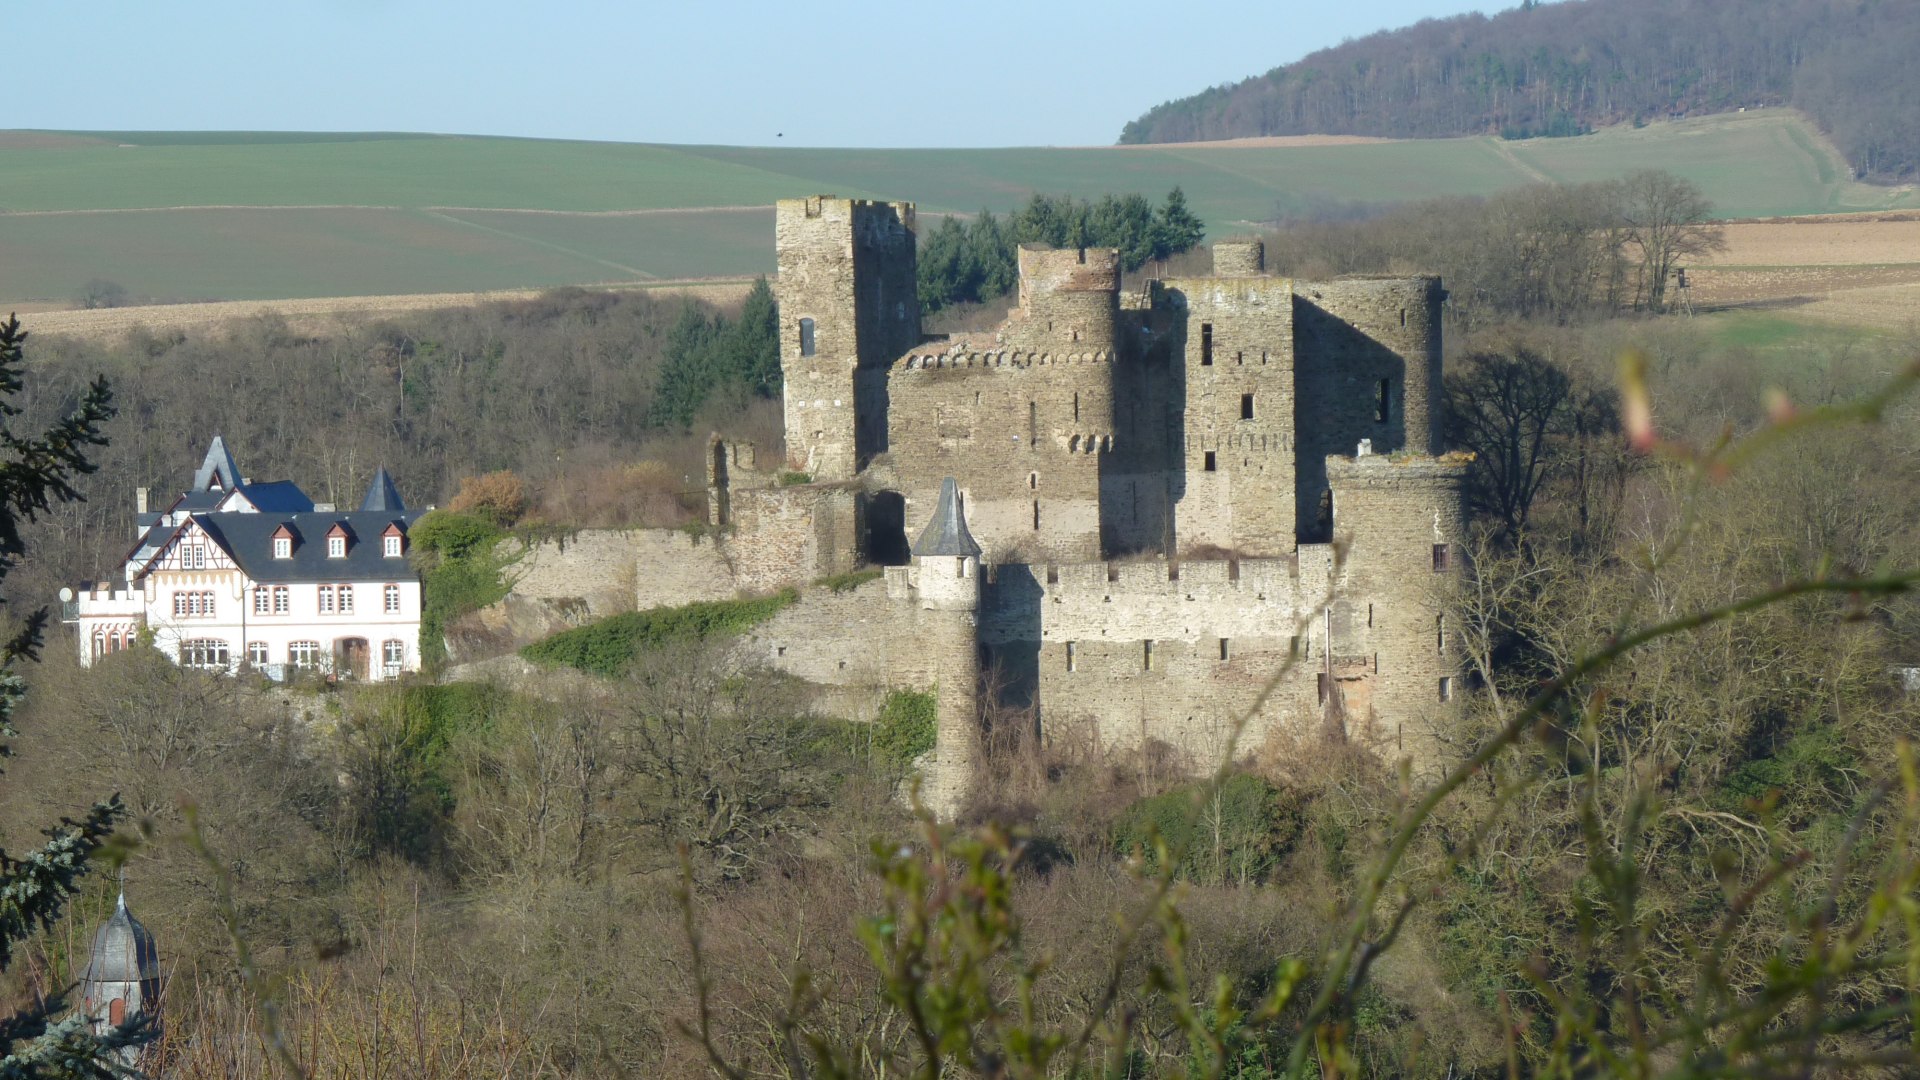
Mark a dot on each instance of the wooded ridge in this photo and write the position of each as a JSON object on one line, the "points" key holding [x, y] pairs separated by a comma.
{"points": [[1566, 68]]}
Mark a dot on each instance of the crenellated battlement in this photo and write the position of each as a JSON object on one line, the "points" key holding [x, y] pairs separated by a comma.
{"points": [[999, 359]]}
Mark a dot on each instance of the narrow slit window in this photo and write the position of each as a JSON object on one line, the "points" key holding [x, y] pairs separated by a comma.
{"points": [[1213, 461], [1381, 403], [1446, 688], [1206, 344], [1146, 655], [960, 567], [1293, 647], [1033, 423], [1239, 358], [1440, 633], [1224, 652], [1442, 558], [1036, 515], [1246, 406], [1369, 616], [1076, 406], [806, 337], [1070, 657]]}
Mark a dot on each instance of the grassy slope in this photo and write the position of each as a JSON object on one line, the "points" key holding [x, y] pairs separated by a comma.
{"points": [[389, 229]]}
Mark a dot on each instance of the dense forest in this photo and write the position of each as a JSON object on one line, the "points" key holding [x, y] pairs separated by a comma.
{"points": [[1564, 68]]}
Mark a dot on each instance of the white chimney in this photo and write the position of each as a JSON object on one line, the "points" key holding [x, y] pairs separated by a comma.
{"points": [[139, 500], [1366, 448]]}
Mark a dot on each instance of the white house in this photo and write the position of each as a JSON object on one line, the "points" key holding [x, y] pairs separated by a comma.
{"points": [[237, 573]]}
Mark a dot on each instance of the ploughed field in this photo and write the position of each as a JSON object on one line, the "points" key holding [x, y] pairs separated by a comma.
{"points": [[183, 216], [1854, 269]]}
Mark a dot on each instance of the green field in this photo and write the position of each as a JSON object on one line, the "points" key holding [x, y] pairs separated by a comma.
{"points": [[180, 215]]}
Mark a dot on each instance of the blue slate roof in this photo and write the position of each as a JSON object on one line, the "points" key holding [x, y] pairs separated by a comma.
{"points": [[277, 497], [382, 495], [249, 539]]}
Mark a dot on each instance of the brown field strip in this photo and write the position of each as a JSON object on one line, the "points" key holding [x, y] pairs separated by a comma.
{"points": [[1858, 269], [318, 314]]}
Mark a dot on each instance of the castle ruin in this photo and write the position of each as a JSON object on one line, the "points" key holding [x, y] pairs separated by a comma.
{"points": [[1134, 510]]}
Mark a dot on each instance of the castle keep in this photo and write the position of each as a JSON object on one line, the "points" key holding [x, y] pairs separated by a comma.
{"points": [[1132, 509]]}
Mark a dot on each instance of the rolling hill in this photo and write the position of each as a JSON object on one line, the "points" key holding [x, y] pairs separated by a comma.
{"points": [[237, 216], [1577, 65]]}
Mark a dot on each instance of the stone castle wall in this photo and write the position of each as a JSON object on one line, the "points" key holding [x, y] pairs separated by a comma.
{"points": [[613, 570], [781, 536], [1238, 464], [1174, 653], [1069, 300], [1027, 435]]}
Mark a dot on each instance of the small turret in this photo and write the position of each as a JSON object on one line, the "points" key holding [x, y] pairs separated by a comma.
{"points": [[122, 979], [946, 571]]}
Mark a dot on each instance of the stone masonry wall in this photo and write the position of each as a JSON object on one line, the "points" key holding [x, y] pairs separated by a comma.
{"points": [[854, 645], [846, 268], [785, 536], [1238, 465], [615, 570], [1133, 652], [1019, 431], [1239, 258]]}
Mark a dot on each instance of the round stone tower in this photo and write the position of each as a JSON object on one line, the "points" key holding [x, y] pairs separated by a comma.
{"points": [[122, 979], [946, 570], [1389, 329], [1069, 300], [1403, 519]]}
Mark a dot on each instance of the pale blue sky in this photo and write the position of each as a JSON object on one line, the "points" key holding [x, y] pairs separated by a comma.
{"points": [[822, 73]]}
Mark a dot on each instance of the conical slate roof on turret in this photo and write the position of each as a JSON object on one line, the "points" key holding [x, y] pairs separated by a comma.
{"points": [[382, 495], [947, 533], [219, 467], [123, 951]]}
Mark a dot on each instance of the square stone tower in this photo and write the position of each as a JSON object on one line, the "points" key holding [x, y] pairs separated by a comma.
{"points": [[848, 307]]}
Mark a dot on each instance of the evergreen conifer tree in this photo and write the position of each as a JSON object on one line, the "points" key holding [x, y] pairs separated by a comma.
{"points": [[36, 471], [1176, 229]]}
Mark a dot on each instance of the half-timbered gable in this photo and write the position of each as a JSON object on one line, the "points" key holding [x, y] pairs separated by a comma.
{"points": [[237, 574]]}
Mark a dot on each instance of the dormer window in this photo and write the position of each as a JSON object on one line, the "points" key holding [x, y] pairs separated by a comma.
{"points": [[283, 547], [336, 547], [393, 542], [393, 547]]}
